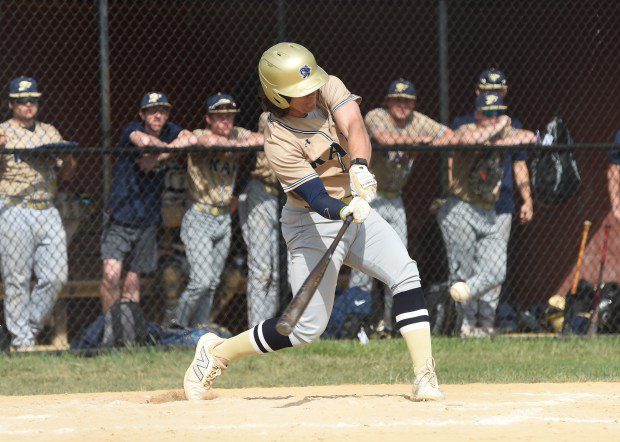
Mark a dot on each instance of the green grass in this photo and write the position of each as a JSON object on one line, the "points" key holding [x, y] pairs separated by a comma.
{"points": [[500, 360]]}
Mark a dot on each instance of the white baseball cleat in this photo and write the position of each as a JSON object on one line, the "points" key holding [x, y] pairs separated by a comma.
{"points": [[426, 386], [204, 368]]}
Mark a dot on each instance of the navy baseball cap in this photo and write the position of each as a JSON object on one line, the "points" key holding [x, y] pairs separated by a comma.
{"points": [[152, 99], [401, 88], [490, 101], [221, 103], [21, 87], [492, 79]]}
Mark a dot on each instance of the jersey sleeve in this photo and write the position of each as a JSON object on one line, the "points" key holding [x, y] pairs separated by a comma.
{"points": [[126, 131], [52, 135], [427, 127], [377, 120], [335, 94], [516, 124], [242, 134], [288, 163], [262, 121]]}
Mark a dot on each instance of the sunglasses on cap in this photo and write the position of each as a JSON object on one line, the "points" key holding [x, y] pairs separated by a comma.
{"points": [[25, 100], [489, 113]]}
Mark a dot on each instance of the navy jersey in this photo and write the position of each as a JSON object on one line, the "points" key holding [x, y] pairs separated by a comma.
{"points": [[505, 203], [614, 154], [135, 195]]}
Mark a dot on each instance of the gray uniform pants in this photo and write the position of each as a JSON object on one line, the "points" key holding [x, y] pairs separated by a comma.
{"points": [[372, 247], [393, 211], [30, 240], [258, 213], [207, 243], [476, 242]]}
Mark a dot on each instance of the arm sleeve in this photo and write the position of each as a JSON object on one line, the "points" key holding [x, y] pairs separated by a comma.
{"points": [[314, 193], [519, 155], [516, 124], [175, 130], [126, 131]]}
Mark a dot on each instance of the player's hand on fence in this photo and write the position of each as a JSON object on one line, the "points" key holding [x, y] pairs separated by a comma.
{"points": [[358, 207], [363, 183], [527, 212]]}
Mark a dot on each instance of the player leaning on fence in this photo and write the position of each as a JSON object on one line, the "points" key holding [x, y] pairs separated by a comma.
{"points": [[206, 227], [32, 237], [471, 228], [133, 210], [397, 122], [317, 145], [613, 178]]}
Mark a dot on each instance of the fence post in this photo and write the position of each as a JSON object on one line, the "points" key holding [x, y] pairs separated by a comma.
{"points": [[444, 97], [104, 92], [281, 21]]}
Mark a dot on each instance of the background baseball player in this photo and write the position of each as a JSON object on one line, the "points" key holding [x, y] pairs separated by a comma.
{"points": [[397, 122], [32, 237], [205, 229], [613, 179], [134, 206], [317, 145], [259, 215], [515, 170], [472, 230]]}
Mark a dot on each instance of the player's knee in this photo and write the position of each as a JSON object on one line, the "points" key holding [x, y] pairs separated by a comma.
{"points": [[308, 332], [407, 279]]}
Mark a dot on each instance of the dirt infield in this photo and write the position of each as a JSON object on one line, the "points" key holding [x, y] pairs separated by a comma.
{"points": [[360, 412]]}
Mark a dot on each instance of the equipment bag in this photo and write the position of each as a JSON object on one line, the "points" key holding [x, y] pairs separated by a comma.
{"points": [[555, 176]]}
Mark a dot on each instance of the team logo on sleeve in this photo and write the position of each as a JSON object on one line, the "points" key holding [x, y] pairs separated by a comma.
{"points": [[154, 97], [305, 71]]}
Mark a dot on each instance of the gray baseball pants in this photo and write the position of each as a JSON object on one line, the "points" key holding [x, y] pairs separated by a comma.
{"points": [[30, 240], [207, 243], [258, 213], [372, 247], [393, 211], [477, 244]]}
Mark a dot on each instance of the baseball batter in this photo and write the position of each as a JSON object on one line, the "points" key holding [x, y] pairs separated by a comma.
{"points": [[317, 145], [206, 226], [32, 237], [397, 122], [259, 216]]}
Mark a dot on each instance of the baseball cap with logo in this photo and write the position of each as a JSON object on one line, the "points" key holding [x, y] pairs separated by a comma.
{"points": [[492, 79], [490, 103], [22, 87], [152, 99], [401, 88], [221, 103]]}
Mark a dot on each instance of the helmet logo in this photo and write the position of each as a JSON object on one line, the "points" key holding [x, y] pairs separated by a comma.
{"points": [[305, 71]]}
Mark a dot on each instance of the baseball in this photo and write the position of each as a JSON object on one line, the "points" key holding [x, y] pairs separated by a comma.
{"points": [[460, 292]]}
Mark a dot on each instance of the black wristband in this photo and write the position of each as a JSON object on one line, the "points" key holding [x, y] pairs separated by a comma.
{"points": [[360, 161]]}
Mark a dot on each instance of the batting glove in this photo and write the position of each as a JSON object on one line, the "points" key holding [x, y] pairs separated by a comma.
{"points": [[358, 207], [363, 183]]}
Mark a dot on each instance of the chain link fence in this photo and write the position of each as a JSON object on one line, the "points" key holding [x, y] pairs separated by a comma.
{"points": [[201, 245]]}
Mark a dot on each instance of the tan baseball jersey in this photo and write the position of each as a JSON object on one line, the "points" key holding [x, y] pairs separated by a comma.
{"points": [[301, 149], [462, 163], [263, 171], [392, 168], [31, 179], [212, 176]]}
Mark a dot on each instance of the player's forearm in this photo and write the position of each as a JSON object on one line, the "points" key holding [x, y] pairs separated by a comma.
{"points": [[613, 185], [184, 139], [445, 139], [359, 142], [141, 140], [522, 178], [254, 139]]}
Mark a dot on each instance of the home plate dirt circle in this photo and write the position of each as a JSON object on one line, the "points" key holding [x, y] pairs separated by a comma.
{"points": [[359, 412]]}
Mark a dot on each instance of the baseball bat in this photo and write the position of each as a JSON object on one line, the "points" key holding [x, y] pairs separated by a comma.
{"points": [[298, 304], [593, 327], [582, 247]]}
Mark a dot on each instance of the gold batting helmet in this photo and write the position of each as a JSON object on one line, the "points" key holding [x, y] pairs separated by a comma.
{"points": [[289, 70]]}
